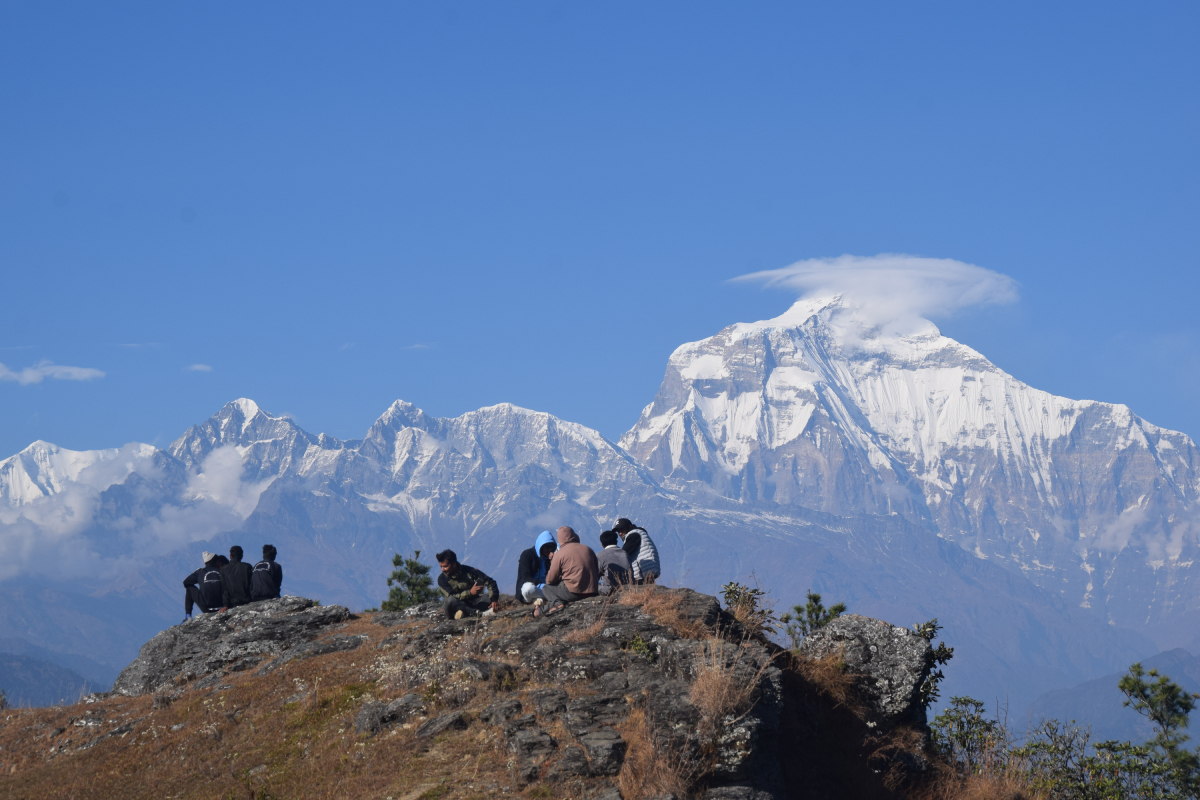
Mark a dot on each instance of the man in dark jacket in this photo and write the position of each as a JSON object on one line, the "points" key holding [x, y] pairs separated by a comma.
{"points": [[235, 580], [532, 567], [463, 586], [267, 576], [202, 588]]}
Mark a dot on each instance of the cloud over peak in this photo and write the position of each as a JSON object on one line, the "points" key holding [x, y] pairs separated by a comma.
{"points": [[893, 291], [48, 369]]}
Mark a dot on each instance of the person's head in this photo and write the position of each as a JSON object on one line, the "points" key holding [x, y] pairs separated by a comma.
{"points": [[448, 561], [623, 527], [608, 539], [235, 553], [207, 556], [546, 544], [269, 552], [567, 536]]}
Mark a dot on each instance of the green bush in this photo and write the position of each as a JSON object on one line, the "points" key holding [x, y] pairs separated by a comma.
{"points": [[804, 619], [410, 582], [1059, 761]]}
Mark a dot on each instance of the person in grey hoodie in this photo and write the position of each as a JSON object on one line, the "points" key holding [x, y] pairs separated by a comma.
{"points": [[532, 567], [613, 562]]}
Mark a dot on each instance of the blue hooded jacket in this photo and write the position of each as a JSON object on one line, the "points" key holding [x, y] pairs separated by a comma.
{"points": [[532, 568], [544, 538]]}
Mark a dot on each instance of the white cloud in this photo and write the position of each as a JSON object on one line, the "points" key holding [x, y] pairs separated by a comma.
{"points": [[893, 291], [48, 369], [199, 368], [68, 533]]}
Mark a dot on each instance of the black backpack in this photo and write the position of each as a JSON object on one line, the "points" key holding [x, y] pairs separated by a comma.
{"points": [[210, 588], [263, 585]]}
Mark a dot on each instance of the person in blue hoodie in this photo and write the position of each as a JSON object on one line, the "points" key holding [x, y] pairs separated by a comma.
{"points": [[533, 566]]}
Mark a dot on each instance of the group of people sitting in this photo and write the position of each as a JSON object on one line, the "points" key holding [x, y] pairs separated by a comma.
{"points": [[224, 583], [552, 573], [555, 571]]}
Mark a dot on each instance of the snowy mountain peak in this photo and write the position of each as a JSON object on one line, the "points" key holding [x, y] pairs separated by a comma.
{"points": [[43, 469], [247, 406]]}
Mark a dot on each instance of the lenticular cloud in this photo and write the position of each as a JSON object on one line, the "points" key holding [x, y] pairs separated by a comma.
{"points": [[892, 290]]}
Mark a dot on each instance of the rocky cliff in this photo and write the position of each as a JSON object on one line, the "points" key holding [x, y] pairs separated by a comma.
{"points": [[658, 693]]}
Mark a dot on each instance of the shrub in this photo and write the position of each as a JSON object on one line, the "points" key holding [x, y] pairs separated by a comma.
{"points": [[1058, 760], [937, 659], [804, 619], [749, 606], [410, 582]]}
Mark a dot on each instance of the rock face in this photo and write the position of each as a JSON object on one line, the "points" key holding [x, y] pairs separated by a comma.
{"points": [[595, 666], [211, 646], [889, 663]]}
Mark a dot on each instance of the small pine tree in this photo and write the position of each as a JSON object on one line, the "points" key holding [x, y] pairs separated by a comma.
{"points": [[804, 619], [410, 582]]}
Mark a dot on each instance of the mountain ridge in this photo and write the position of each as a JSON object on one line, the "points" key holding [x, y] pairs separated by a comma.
{"points": [[819, 499]]}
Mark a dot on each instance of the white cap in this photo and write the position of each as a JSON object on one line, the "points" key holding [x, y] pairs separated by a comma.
{"points": [[208, 556]]}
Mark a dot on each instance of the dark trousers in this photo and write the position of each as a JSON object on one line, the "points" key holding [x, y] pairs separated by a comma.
{"points": [[193, 597], [469, 608], [561, 594]]}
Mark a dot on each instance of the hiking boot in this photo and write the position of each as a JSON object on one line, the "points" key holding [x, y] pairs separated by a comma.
{"points": [[457, 614]]}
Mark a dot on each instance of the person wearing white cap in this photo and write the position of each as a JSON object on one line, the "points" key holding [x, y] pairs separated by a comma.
{"points": [[203, 587]]}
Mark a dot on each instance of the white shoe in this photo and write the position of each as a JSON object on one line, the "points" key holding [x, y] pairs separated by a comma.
{"points": [[488, 613]]}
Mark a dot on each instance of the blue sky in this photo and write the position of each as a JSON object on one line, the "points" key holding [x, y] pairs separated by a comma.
{"points": [[464, 204]]}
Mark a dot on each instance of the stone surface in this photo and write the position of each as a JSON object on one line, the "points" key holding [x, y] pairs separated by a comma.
{"points": [[572, 762], [213, 645], [501, 711], [370, 717], [890, 663], [446, 722], [605, 749], [546, 702]]}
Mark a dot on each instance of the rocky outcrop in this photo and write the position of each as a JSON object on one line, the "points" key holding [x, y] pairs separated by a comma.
{"points": [[889, 663], [658, 689], [265, 634]]}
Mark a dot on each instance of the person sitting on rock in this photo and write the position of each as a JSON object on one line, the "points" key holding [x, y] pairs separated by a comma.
{"points": [[573, 573], [613, 563], [463, 588], [267, 576], [532, 567], [235, 581], [643, 555], [202, 589]]}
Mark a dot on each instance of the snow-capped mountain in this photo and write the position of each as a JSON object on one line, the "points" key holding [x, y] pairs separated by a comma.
{"points": [[44, 469], [815, 409]]}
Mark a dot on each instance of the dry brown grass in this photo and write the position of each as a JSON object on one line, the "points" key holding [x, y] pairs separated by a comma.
{"points": [[950, 786], [718, 691], [663, 605], [651, 768], [247, 741], [830, 677]]}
